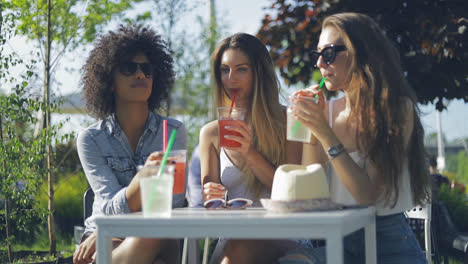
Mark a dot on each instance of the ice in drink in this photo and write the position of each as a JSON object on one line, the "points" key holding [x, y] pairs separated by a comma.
{"points": [[295, 130], [156, 191], [229, 117]]}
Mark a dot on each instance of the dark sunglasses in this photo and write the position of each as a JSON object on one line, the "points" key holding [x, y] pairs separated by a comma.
{"points": [[129, 68], [328, 54], [218, 203]]}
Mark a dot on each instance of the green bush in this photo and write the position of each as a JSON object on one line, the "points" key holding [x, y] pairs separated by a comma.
{"points": [[68, 200], [457, 205]]}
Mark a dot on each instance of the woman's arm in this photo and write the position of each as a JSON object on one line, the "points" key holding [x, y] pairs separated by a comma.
{"points": [[100, 176], [364, 184], [209, 162]]}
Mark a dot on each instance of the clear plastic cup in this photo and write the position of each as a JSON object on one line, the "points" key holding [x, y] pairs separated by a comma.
{"points": [[295, 131], [226, 117], [156, 191]]}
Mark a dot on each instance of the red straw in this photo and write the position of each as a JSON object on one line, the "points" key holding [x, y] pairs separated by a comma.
{"points": [[232, 103], [164, 135]]}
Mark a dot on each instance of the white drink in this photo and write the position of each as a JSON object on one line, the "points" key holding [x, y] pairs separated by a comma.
{"points": [[156, 195], [302, 133], [295, 131]]}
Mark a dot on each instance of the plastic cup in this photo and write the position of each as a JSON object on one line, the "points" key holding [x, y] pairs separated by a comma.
{"points": [[228, 117], [156, 191], [295, 131], [178, 158]]}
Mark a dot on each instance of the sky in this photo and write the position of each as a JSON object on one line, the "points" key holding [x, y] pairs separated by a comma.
{"points": [[245, 16]]}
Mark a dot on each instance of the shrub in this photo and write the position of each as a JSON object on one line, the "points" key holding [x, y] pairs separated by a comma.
{"points": [[457, 205], [68, 201]]}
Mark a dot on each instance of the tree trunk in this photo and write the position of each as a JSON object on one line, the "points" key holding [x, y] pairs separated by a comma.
{"points": [[7, 209], [50, 176], [213, 35]]}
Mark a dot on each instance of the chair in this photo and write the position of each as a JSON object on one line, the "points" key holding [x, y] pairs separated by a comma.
{"points": [[452, 242], [88, 199], [422, 217]]}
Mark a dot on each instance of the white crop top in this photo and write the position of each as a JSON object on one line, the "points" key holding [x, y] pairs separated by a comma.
{"points": [[340, 194], [236, 182]]}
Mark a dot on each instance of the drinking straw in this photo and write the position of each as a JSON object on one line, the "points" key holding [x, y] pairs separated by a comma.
{"points": [[163, 164], [166, 153], [298, 124], [164, 135], [232, 103]]}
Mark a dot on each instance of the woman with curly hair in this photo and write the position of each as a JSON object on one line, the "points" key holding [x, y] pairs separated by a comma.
{"points": [[126, 78], [241, 63], [370, 140]]}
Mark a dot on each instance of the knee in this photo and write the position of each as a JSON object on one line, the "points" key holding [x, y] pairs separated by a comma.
{"points": [[238, 251]]}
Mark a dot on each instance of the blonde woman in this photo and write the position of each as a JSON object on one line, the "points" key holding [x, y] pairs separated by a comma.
{"points": [[242, 62], [370, 140]]}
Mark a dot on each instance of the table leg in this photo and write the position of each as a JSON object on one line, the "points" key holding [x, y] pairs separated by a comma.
{"points": [[371, 242], [103, 247], [334, 249]]}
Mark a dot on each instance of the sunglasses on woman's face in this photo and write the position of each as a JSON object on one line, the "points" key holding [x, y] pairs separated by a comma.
{"points": [[129, 68], [328, 54]]}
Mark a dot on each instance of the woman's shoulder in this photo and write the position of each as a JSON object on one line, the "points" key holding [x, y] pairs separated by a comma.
{"points": [[95, 129], [209, 129]]}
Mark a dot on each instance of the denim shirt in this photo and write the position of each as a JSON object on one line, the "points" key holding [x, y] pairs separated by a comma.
{"points": [[110, 164]]}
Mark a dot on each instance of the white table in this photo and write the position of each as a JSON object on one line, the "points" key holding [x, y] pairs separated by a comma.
{"points": [[254, 223]]}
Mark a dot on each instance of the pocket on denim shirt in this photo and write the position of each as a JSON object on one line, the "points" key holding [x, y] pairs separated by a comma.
{"points": [[123, 168], [120, 164]]}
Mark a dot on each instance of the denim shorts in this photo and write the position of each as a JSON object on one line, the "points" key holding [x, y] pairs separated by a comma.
{"points": [[396, 244]]}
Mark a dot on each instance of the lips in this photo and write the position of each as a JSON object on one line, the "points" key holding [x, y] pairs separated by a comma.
{"points": [[140, 84]]}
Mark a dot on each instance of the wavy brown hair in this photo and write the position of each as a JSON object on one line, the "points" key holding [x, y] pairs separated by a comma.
{"points": [[266, 114], [379, 91], [112, 48]]}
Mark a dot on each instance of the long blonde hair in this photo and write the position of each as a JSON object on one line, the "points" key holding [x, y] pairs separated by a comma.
{"points": [[266, 115], [378, 89]]}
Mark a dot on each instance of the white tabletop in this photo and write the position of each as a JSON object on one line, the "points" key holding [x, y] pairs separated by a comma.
{"points": [[251, 223]]}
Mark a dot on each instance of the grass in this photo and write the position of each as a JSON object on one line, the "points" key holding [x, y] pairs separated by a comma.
{"points": [[65, 247]]}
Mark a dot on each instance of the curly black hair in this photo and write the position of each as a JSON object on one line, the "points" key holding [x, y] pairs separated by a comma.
{"points": [[111, 49]]}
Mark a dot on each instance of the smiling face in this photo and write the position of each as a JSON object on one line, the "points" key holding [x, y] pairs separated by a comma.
{"points": [[337, 73], [132, 88], [236, 73]]}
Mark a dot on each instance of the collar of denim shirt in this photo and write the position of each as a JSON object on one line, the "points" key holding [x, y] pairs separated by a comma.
{"points": [[114, 128]]}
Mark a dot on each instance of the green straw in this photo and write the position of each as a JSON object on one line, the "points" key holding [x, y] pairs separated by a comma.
{"points": [[163, 163], [166, 154], [298, 124]]}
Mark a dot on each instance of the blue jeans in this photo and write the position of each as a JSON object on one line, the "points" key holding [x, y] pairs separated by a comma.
{"points": [[396, 244]]}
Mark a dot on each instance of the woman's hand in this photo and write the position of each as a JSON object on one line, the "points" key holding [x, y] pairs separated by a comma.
{"points": [[310, 113], [213, 190], [245, 139], [86, 250], [154, 158]]}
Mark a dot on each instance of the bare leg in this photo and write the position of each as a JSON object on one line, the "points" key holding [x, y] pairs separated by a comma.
{"points": [[146, 250], [255, 251]]}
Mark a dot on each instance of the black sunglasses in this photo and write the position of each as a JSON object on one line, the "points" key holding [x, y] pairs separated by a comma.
{"points": [[328, 54], [129, 68]]}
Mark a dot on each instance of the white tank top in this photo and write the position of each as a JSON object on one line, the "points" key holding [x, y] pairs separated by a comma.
{"points": [[340, 194], [236, 182]]}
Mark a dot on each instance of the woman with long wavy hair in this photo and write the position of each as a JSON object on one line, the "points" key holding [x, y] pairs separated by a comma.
{"points": [[241, 64], [371, 139]]}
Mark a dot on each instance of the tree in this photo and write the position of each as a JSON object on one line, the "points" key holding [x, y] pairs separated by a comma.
{"points": [[191, 96], [430, 36], [21, 154], [60, 26]]}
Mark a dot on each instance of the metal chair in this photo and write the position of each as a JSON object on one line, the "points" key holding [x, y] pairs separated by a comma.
{"points": [[88, 199], [420, 220]]}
